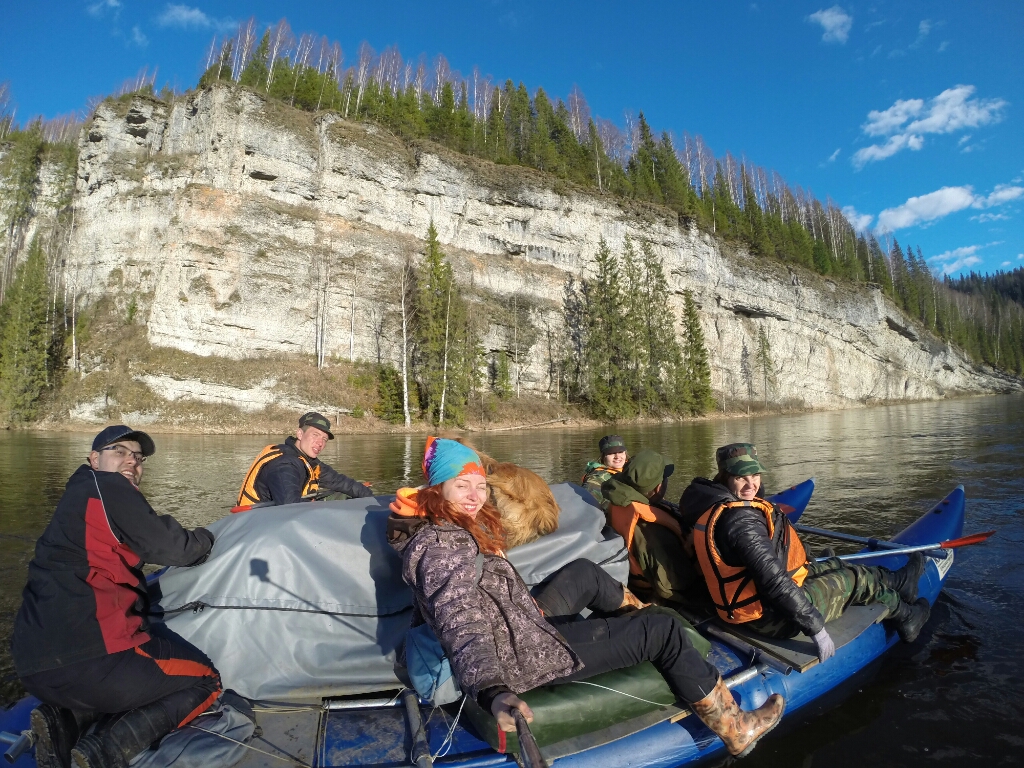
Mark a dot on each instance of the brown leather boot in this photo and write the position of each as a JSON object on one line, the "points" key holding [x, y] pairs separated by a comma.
{"points": [[739, 730]]}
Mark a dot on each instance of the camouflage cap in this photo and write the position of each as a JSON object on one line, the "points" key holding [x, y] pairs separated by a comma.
{"points": [[739, 459], [317, 420], [611, 444]]}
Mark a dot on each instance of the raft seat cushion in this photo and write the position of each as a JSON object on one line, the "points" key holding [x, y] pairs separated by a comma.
{"points": [[565, 711], [605, 704]]}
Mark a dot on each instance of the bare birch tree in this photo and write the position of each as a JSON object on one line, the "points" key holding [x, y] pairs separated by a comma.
{"points": [[321, 268], [366, 55], [245, 42], [406, 287], [280, 43]]}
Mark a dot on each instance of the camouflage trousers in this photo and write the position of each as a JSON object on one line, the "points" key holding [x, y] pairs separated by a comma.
{"points": [[833, 586], [667, 569]]}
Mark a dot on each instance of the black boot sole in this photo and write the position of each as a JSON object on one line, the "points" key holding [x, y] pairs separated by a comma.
{"points": [[45, 726]]}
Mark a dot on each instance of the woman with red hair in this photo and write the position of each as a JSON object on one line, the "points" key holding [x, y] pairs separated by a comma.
{"points": [[502, 641]]}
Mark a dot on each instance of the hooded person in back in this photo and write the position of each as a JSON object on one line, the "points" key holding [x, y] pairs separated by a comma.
{"points": [[657, 560]]}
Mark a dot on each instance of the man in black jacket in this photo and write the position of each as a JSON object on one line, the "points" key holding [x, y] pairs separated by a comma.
{"points": [[757, 571], [82, 643], [290, 472]]}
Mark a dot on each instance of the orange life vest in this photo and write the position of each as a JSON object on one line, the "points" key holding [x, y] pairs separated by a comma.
{"points": [[732, 588], [248, 495], [624, 519]]}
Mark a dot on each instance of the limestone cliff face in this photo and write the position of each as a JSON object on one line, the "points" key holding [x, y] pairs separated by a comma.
{"points": [[224, 215]]}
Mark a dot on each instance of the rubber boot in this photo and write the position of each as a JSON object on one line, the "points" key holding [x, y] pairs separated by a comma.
{"points": [[127, 736], [739, 730], [906, 579], [910, 618], [57, 729]]}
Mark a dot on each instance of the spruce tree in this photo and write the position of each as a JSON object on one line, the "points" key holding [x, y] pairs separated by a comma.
{"points": [[502, 376], [661, 347], [765, 363], [606, 339], [446, 354], [696, 368], [24, 350]]}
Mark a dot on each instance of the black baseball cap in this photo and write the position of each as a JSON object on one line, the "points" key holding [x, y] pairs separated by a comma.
{"points": [[318, 420], [119, 432]]}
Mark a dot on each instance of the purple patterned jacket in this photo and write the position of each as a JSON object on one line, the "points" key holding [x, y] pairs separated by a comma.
{"points": [[492, 632]]}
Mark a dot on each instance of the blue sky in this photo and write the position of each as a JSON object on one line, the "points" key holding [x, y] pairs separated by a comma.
{"points": [[908, 114]]}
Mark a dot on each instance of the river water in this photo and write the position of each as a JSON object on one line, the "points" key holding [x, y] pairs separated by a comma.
{"points": [[953, 698]]}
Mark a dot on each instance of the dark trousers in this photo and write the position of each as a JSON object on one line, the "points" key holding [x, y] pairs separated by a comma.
{"points": [[604, 645], [575, 586], [165, 670]]}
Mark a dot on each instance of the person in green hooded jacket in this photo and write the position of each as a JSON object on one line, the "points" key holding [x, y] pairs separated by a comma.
{"points": [[657, 561]]}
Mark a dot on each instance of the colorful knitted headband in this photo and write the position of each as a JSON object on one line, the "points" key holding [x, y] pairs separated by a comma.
{"points": [[445, 459]]}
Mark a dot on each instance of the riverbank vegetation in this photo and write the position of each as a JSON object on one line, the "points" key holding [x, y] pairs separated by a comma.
{"points": [[617, 355]]}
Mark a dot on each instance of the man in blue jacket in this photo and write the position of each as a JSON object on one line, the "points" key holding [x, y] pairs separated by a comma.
{"points": [[291, 471], [82, 642]]}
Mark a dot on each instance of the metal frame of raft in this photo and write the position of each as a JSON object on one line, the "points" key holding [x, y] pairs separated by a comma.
{"points": [[373, 731]]}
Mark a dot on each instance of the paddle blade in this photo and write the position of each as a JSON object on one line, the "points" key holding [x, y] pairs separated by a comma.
{"points": [[974, 538]]}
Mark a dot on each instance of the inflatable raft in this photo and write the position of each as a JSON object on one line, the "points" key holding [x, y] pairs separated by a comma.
{"points": [[626, 717]]}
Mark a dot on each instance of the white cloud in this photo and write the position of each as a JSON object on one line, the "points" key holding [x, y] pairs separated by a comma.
{"points": [[1003, 193], [859, 221], [98, 8], [943, 46], [964, 139], [138, 38], [981, 218], [833, 156], [1006, 263], [917, 210], [956, 259], [182, 16], [186, 17], [835, 22], [923, 29], [1020, 255], [907, 121], [942, 202]]}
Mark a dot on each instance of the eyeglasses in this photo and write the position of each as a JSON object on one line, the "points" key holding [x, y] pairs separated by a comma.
{"points": [[124, 453]]}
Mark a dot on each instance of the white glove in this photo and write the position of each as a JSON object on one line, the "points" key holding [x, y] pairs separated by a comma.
{"points": [[826, 648]]}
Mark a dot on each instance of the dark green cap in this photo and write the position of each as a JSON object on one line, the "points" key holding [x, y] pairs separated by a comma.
{"points": [[318, 420], [646, 471], [739, 459], [611, 444]]}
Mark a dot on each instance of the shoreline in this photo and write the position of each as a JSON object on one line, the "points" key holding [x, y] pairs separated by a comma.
{"points": [[370, 425]]}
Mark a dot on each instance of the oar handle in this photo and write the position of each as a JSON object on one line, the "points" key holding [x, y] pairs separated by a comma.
{"points": [[528, 748]]}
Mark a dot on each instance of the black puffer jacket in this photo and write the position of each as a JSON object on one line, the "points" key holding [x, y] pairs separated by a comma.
{"points": [[742, 539]]}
